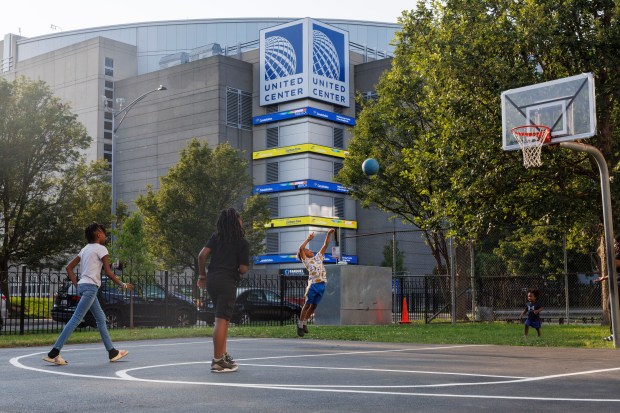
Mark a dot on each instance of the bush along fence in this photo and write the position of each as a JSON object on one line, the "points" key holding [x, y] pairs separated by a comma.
{"points": [[42, 301]]}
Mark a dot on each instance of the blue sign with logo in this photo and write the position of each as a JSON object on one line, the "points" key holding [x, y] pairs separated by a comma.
{"points": [[307, 111], [289, 258], [306, 184], [304, 59]]}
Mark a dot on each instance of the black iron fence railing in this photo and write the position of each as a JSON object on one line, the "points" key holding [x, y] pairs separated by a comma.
{"points": [[43, 301]]}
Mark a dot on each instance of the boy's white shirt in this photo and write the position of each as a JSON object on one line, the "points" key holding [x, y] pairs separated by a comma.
{"points": [[316, 269], [91, 263]]}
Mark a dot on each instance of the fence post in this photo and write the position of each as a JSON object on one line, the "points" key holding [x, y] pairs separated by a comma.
{"points": [[452, 281], [166, 316], [282, 294], [566, 280], [426, 298], [23, 303], [472, 273], [394, 253]]}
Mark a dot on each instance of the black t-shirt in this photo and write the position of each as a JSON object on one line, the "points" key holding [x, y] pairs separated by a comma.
{"points": [[226, 259]]}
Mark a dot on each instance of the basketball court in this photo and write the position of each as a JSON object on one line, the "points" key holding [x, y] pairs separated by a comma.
{"points": [[311, 375]]}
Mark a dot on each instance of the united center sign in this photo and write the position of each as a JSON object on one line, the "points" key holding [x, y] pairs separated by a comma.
{"points": [[304, 59]]}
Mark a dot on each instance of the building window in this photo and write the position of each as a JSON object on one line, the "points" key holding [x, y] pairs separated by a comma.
{"points": [[238, 109], [107, 135], [338, 138], [107, 147], [339, 208], [273, 243], [109, 67], [107, 157], [273, 137], [273, 174], [337, 167], [274, 207]]}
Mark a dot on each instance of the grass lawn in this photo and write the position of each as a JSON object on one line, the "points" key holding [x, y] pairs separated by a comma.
{"points": [[578, 336]]}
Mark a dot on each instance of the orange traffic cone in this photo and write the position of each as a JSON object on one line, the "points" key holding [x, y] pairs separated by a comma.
{"points": [[404, 314]]}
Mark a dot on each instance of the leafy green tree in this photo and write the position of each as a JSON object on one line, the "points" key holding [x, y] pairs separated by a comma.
{"points": [[389, 252], [182, 214], [436, 126], [47, 193], [131, 248]]}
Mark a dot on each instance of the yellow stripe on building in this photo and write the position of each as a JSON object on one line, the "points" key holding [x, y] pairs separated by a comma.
{"points": [[301, 148], [309, 220]]}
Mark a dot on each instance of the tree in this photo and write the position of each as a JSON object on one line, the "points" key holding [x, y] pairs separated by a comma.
{"points": [[131, 247], [436, 126], [47, 193], [182, 214], [391, 251]]}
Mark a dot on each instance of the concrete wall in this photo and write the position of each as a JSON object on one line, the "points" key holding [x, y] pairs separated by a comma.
{"points": [[356, 295], [194, 106]]}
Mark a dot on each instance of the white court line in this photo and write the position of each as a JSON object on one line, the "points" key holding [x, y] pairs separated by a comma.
{"points": [[438, 373], [123, 375]]}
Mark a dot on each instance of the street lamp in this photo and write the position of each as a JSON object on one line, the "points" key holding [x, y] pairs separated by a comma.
{"points": [[115, 125]]}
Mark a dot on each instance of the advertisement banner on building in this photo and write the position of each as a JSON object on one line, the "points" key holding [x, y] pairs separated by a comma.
{"points": [[304, 184], [291, 258], [301, 148], [304, 59], [310, 220], [307, 111]]}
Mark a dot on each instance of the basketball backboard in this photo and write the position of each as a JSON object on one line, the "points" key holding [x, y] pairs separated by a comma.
{"points": [[566, 105]]}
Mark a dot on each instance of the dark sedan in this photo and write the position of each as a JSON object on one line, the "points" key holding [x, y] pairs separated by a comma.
{"points": [[255, 304], [151, 306]]}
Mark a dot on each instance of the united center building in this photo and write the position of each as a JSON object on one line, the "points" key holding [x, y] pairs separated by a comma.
{"points": [[281, 91]]}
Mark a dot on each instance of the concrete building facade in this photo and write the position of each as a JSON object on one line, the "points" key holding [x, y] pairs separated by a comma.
{"points": [[211, 70]]}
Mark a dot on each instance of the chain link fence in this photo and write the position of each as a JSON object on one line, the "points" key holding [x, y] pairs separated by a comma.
{"points": [[491, 278]]}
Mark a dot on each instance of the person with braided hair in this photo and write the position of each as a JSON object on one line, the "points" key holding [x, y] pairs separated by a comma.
{"points": [[230, 253]]}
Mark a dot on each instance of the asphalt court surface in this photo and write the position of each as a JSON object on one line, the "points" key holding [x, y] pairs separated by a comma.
{"points": [[282, 375]]}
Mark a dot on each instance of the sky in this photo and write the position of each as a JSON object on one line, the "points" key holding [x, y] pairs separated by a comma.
{"points": [[41, 17]]}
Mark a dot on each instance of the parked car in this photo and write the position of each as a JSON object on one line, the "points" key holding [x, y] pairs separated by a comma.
{"points": [[151, 306], [255, 304]]}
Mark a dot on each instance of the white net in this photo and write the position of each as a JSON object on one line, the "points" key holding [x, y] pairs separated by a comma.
{"points": [[531, 139]]}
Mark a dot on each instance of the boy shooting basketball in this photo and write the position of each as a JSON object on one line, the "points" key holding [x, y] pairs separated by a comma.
{"points": [[317, 278]]}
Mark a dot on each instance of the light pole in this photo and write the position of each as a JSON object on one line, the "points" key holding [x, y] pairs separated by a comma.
{"points": [[115, 125]]}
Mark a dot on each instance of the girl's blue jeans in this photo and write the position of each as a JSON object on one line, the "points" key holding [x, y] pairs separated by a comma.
{"points": [[88, 301]]}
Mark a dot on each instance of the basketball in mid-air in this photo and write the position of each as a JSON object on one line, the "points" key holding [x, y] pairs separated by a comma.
{"points": [[370, 167]]}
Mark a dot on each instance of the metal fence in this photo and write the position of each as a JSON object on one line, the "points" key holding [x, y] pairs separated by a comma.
{"points": [[158, 300], [567, 298]]}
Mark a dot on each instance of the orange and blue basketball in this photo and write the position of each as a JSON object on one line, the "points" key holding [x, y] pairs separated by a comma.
{"points": [[370, 167]]}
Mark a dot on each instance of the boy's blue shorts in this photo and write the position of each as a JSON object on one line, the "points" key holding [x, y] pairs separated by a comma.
{"points": [[533, 324], [315, 293]]}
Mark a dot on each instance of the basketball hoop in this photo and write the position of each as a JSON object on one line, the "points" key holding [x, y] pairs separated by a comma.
{"points": [[531, 139]]}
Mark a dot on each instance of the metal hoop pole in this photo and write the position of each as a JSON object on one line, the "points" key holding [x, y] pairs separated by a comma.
{"points": [[609, 230]]}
